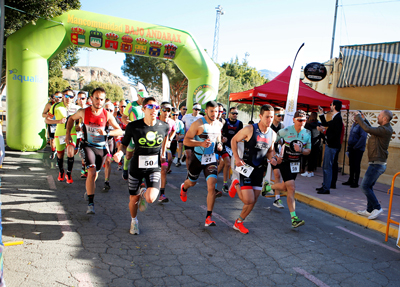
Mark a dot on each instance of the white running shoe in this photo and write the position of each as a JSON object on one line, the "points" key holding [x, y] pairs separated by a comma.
{"points": [[364, 213], [375, 213], [278, 203], [142, 201], [310, 174], [305, 174], [134, 227], [90, 209]]}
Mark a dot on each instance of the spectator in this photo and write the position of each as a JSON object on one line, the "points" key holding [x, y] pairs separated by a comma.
{"points": [[311, 125]]}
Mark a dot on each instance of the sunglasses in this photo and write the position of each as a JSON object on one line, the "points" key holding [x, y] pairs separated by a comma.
{"points": [[166, 110], [197, 109], [122, 106], [185, 109], [110, 110], [58, 97], [174, 115], [234, 113], [84, 98], [152, 106], [301, 120], [69, 96], [279, 116], [220, 112]]}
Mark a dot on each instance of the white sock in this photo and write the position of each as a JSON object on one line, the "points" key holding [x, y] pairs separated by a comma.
{"points": [[134, 218], [278, 196]]}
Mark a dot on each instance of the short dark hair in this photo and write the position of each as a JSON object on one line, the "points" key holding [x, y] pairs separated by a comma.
{"points": [[81, 92], [212, 104], [337, 104], [68, 90], [98, 89], [265, 108], [278, 109], [220, 105], [174, 110], [232, 108], [148, 99], [57, 92], [165, 103]]}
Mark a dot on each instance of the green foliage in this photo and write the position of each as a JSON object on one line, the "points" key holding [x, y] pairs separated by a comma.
{"points": [[113, 92], [149, 71], [15, 20], [57, 84]]}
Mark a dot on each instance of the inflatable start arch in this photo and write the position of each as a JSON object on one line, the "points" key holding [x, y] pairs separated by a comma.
{"points": [[30, 48]]}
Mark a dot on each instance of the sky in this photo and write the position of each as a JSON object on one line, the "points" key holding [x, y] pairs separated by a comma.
{"points": [[270, 31]]}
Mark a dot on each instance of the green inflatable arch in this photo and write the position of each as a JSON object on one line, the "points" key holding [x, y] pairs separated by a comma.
{"points": [[30, 48]]}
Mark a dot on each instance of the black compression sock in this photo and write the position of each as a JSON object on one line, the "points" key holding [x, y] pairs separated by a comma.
{"points": [[162, 191], [209, 213], [91, 197], [60, 163], [70, 164]]}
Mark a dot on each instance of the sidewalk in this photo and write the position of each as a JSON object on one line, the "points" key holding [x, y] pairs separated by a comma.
{"points": [[345, 201]]}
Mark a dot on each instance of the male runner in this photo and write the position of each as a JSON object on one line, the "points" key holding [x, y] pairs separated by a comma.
{"points": [[258, 146], [297, 142], [204, 136], [164, 116], [231, 127], [182, 112], [111, 148], [188, 120], [94, 146], [150, 136], [51, 129], [81, 101], [122, 124], [178, 140], [61, 111], [276, 126]]}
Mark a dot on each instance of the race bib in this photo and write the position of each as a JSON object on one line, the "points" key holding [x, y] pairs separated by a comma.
{"points": [[148, 161], [229, 151], [295, 167], [53, 129], [246, 170], [61, 139], [208, 158], [79, 135]]}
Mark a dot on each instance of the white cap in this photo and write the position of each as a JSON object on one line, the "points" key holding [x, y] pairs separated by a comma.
{"points": [[197, 106]]}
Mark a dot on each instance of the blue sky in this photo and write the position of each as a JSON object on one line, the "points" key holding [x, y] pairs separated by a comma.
{"points": [[270, 31]]}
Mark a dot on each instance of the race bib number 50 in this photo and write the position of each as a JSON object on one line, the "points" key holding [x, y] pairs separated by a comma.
{"points": [[148, 161]]}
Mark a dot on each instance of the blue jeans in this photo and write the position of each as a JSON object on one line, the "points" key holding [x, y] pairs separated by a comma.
{"points": [[374, 171], [329, 157]]}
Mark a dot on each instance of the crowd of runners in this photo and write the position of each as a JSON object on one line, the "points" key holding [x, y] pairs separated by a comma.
{"points": [[144, 137]]}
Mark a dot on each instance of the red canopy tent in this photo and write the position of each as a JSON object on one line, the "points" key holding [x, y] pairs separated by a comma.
{"points": [[275, 93]]}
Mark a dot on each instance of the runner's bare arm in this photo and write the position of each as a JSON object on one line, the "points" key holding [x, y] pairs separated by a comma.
{"points": [[80, 114], [49, 120], [121, 151], [125, 119], [195, 129], [271, 153], [243, 134], [46, 110], [117, 131], [164, 148]]}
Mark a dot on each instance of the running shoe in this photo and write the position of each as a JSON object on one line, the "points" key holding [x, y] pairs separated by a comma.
{"points": [[90, 209], [364, 213], [83, 173], [232, 188], [125, 174], [178, 164], [183, 193], [142, 200], [169, 171], [106, 187], [278, 203], [296, 222], [225, 188], [134, 227], [53, 154], [240, 227], [163, 199], [69, 178], [209, 222], [61, 176], [119, 166], [266, 188], [218, 193]]}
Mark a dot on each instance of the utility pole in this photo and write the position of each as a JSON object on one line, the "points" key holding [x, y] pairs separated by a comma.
{"points": [[334, 29], [216, 33]]}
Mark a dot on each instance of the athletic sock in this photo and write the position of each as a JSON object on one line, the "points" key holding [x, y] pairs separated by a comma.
{"points": [[225, 182], [162, 191], [293, 215], [184, 189], [134, 218], [209, 213], [278, 196], [179, 160], [60, 163], [53, 149], [91, 197], [126, 163], [70, 164]]}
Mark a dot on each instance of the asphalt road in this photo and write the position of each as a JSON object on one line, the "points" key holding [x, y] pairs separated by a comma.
{"points": [[63, 246]]}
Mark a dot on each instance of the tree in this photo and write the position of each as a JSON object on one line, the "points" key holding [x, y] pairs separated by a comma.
{"points": [[57, 84], [15, 20], [113, 92], [149, 71]]}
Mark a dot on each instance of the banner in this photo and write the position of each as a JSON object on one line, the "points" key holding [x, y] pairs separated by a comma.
{"points": [[293, 91], [165, 88]]}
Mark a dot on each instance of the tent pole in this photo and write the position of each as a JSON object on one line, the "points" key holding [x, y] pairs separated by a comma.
{"points": [[252, 108], [229, 94], [345, 143]]}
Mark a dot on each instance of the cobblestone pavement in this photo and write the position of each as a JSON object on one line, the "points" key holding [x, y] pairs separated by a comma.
{"points": [[63, 246]]}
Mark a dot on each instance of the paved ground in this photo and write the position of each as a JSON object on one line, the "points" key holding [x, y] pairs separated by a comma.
{"points": [[63, 246]]}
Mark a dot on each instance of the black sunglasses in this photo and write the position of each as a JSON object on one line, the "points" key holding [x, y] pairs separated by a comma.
{"points": [[234, 113], [110, 110]]}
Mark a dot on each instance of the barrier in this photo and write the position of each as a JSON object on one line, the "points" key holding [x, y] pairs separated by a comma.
{"points": [[390, 208]]}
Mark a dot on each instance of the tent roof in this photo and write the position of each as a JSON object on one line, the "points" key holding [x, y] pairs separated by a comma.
{"points": [[275, 93]]}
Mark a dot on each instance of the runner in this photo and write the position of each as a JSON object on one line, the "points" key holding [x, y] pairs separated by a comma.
{"points": [[122, 106], [187, 120], [177, 142], [94, 146], [150, 136], [231, 127], [276, 126], [111, 148], [82, 99], [204, 136], [258, 146], [297, 142], [164, 117], [61, 111], [51, 129]]}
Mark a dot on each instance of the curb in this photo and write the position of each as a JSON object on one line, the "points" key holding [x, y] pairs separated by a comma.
{"points": [[346, 214]]}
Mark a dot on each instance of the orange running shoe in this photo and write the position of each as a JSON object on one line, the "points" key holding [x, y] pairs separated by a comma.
{"points": [[60, 176], [69, 179], [232, 188], [183, 193], [209, 222], [240, 227]]}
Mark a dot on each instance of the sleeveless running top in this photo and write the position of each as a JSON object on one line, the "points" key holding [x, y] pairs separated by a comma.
{"points": [[276, 128], [92, 124], [229, 130], [210, 132], [255, 150]]}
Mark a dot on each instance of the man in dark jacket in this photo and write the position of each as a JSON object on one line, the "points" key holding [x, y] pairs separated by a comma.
{"points": [[355, 149], [378, 145], [333, 144]]}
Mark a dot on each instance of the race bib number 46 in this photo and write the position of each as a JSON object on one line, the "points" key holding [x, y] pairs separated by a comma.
{"points": [[148, 161], [246, 170], [208, 158]]}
